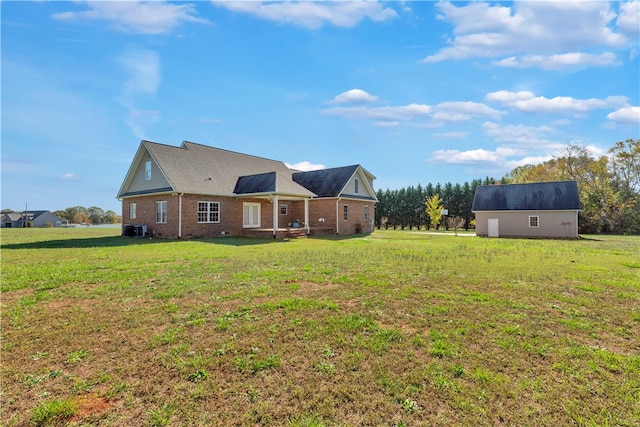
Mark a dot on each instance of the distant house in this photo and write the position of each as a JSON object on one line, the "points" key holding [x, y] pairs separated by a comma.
{"points": [[31, 218], [199, 191], [540, 209], [12, 220]]}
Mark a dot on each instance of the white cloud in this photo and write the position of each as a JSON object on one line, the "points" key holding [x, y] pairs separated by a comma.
{"points": [[451, 135], [313, 14], [354, 96], [457, 111], [479, 155], [388, 116], [520, 145], [70, 176], [140, 120], [535, 28], [500, 161], [305, 166], [387, 124], [626, 115], [142, 68], [629, 17], [524, 137], [528, 102], [146, 17], [560, 61], [400, 113]]}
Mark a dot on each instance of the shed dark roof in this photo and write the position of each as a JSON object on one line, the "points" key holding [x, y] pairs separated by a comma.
{"points": [[326, 182], [545, 196]]}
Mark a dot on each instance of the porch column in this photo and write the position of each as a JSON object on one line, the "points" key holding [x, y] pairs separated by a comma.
{"points": [[306, 215], [275, 215]]}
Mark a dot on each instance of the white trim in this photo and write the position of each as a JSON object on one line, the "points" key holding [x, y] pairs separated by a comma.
{"points": [[148, 166], [165, 211], [249, 217], [208, 212], [276, 208]]}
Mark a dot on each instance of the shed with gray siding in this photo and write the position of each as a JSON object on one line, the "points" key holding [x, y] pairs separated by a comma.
{"points": [[538, 210]]}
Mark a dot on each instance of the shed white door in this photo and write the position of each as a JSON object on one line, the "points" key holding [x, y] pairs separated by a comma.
{"points": [[493, 227]]}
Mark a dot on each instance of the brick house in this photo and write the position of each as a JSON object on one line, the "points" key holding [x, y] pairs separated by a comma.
{"points": [[199, 191]]}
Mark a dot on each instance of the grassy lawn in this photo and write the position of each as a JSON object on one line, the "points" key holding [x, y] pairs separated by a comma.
{"points": [[395, 329]]}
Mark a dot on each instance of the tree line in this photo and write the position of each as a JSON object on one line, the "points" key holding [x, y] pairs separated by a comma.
{"points": [[608, 185], [92, 215], [406, 207]]}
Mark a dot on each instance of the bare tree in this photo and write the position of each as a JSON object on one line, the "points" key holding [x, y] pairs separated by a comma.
{"points": [[455, 222]]}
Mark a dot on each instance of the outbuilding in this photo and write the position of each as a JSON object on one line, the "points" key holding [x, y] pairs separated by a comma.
{"points": [[533, 210]]}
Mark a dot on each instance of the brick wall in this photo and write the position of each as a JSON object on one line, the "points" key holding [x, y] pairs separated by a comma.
{"points": [[231, 213], [326, 208]]}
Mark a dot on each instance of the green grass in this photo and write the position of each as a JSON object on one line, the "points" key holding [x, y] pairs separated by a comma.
{"points": [[395, 328], [51, 412]]}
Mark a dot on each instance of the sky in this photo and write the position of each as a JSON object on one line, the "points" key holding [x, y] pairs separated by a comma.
{"points": [[415, 92]]}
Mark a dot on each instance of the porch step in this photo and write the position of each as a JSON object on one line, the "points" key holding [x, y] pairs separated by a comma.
{"points": [[296, 233]]}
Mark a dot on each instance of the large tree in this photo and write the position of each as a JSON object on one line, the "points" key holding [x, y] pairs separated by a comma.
{"points": [[608, 186]]}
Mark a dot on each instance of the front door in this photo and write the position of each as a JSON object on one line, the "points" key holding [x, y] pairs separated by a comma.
{"points": [[493, 227]]}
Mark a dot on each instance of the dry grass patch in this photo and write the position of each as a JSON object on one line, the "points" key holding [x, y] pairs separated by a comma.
{"points": [[390, 329]]}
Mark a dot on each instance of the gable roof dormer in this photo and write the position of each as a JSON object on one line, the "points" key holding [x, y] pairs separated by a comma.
{"points": [[338, 182]]}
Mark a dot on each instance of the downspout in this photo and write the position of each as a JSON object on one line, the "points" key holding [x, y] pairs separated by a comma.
{"points": [[180, 216], [338, 215], [306, 216]]}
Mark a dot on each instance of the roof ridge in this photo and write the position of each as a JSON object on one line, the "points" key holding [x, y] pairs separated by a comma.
{"points": [[231, 151], [146, 141], [527, 183]]}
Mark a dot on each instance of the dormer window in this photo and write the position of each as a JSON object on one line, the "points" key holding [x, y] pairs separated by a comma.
{"points": [[356, 183], [147, 170]]}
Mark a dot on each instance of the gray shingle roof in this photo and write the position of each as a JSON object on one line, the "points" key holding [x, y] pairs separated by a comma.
{"points": [[560, 195], [189, 167], [199, 169]]}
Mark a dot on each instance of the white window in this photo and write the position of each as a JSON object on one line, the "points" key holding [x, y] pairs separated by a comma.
{"points": [[147, 170], [161, 212], [283, 209], [251, 215], [356, 183], [208, 212], [345, 212], [366, 213], [132, 211], [534, 221]]}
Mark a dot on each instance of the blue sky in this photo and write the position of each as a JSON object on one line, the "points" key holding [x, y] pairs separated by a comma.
{"points": [[415, 92]]}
